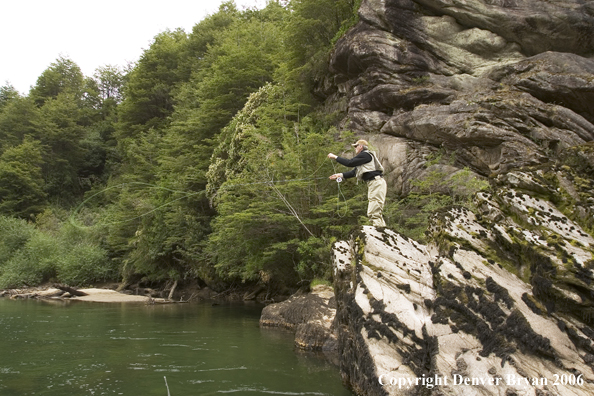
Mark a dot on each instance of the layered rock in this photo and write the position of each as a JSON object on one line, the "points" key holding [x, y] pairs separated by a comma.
{"points": [[500, 302], [500, 83], [503, 288]]}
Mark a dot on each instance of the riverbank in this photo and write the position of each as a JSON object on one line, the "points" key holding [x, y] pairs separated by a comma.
{"points": [[100, 295], [167, 293]]}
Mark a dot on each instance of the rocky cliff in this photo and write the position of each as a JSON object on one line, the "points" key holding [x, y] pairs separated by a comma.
{"points": [[500, 301], [501, 83]]}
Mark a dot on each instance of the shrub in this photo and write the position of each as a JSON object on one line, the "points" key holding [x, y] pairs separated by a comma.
{"points": [[14, 233], [33, 264], [84, 263], [30, 256]]}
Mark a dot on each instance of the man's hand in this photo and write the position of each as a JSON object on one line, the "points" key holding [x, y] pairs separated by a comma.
{"points": [[335, 176], [332, 156]]}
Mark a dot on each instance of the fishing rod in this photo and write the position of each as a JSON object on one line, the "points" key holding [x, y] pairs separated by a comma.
{"points": [[186, 194]]}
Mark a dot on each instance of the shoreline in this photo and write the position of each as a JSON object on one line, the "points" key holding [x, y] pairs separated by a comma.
{"points": [[91, 294]]}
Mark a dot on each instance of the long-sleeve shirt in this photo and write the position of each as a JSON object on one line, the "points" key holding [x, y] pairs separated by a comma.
{"points": [[359, 159]]}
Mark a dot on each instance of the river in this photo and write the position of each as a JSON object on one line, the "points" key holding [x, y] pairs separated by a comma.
{"points": [[76, 348]]}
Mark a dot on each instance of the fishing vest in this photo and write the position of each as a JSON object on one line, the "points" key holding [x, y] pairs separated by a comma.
{"points": [[373, 165]]}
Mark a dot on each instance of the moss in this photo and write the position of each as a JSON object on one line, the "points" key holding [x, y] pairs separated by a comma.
{"points": [[575, 167], [317, 282], [406, 288], [469, 317], [370, 266]]}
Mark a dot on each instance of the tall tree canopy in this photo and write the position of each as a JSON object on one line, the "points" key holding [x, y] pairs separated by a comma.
{"points": [[62, 76], [163, 154]]}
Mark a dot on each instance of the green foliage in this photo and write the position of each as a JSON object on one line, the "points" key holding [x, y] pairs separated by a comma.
{"points": [[55, 251], [61, 116], [436, 190], [61, 134], [63, 76], [21, 183], [19, 117], [313, 28], [235, 54], [317, 282], [109, 81], [14, 235], [33, 264], [150, 142], [84, 264], [464, 185], [243, 58], [7, 94], [206, 33], [348, 19], [148, 94], [276, 207], [410, 215]]}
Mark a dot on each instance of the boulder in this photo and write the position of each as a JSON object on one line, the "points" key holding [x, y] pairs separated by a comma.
{"points": [[309, 315]]}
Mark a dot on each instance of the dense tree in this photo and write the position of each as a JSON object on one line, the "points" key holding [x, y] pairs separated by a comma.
{"points": [[62, 76], [237, 61], [110, 80], [206, 33], [226, 109], [276, 208], [312, 30], [148, 94], [245, 57], [61, 136], [7, 93], [18, 117], [21, 183]]}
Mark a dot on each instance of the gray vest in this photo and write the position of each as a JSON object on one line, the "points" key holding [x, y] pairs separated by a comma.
{"points": [[370, 166]]}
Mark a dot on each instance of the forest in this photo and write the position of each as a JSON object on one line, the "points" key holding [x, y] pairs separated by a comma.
{"points": [[204, 160]]}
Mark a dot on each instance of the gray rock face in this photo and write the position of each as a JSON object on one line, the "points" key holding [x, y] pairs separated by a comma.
{"points": [[500, 83], [500, 302]]}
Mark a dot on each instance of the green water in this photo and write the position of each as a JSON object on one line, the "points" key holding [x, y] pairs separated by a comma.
{"points": [[138, 350]]}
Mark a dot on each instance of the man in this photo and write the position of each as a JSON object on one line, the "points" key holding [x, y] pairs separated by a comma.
{"points": [[367, 168]]}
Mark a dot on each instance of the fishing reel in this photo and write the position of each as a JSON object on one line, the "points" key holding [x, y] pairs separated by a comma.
{"points": [[338, 179]]}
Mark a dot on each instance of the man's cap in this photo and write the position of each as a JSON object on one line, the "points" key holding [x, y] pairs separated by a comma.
{"points": [[360, 142]]}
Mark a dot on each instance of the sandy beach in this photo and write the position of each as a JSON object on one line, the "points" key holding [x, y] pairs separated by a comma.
{"points": [[92, 295]]}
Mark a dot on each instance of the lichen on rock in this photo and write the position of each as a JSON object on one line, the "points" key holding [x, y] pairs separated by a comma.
{"points": [[459, 315]]}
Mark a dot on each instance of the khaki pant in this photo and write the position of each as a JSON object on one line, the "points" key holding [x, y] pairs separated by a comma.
{"points": [[376, 195]]}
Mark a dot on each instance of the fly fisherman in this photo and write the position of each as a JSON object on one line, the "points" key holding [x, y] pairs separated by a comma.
{"points": [[367, 168]]}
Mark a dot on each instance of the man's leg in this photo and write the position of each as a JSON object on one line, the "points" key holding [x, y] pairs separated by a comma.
{"points": [[376, 194]]}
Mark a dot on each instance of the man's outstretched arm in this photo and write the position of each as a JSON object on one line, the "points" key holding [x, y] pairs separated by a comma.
{"points": [[360, 159]]}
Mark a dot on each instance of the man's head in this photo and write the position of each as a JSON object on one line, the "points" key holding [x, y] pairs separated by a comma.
{"points": [[360, 145]]}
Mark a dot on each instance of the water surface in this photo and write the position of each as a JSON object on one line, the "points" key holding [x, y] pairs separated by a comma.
{"points": [[81, 348]]}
